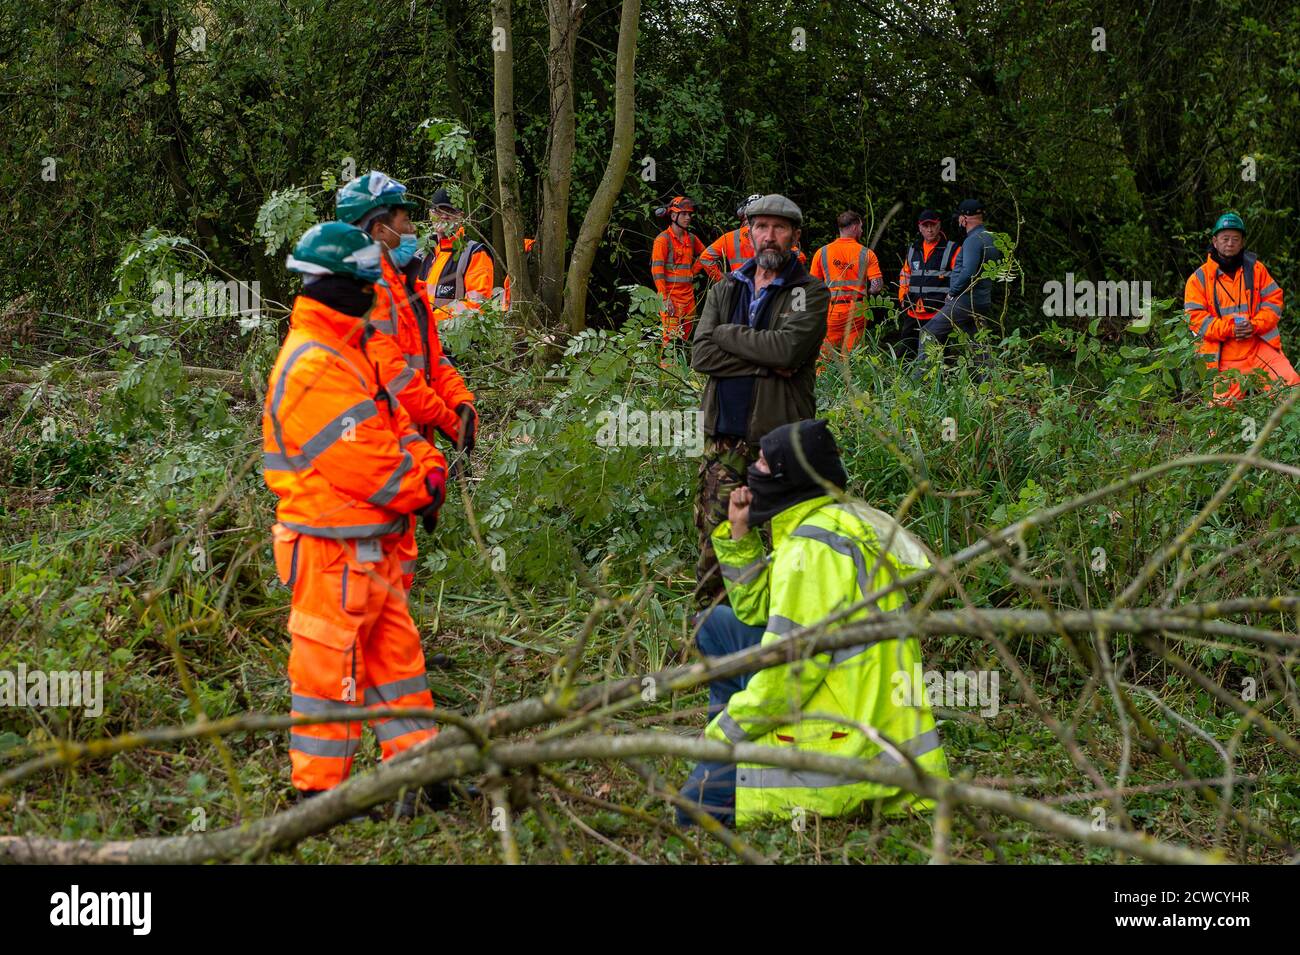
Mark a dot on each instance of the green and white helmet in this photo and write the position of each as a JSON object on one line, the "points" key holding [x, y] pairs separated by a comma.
{"points": [[374, 190], [336, 248], [1230, 220]]}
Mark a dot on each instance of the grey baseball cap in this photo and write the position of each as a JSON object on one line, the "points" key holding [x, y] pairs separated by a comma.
{"points": [[775, 205]]}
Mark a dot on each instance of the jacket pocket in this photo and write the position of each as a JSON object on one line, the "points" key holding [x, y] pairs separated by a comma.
{"points": [[356, 589], [284, 544]]}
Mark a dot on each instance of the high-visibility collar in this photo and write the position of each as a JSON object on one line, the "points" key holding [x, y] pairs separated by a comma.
{"points": [[319, 319], [783, 524]]}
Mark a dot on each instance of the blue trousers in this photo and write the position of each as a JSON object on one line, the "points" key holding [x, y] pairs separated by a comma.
{"points": [[712, 786]]}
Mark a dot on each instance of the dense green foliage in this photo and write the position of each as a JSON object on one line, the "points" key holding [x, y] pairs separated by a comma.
{"points": [[134, 521]]}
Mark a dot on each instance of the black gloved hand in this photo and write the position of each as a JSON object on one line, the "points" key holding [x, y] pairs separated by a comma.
{"points": [[429, 513], [468, 426]]}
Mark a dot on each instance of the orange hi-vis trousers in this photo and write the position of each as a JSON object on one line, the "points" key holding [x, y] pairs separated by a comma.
{"points": [[1267, 358], [355, 645]]}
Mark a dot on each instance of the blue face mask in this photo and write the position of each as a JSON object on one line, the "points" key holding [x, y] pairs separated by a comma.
{"points": [[405, 250]]}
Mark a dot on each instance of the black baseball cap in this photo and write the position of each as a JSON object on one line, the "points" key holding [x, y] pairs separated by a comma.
{"points": [[970, 207], [929, 215]]}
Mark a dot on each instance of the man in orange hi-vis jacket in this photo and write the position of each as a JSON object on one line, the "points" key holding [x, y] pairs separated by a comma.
{"points": [[404, 345], [1233, 307], [851, 271], [672, 263], [349, 470], [454, 280]]}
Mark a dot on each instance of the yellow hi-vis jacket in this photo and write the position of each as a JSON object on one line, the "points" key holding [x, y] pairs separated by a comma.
{"points": [[825, 557]]}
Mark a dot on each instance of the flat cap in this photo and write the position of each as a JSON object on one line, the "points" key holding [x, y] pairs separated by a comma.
{"points": [[775, 205]]}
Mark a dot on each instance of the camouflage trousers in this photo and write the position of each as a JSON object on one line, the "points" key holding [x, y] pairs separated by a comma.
{"points": [[722, 470]]}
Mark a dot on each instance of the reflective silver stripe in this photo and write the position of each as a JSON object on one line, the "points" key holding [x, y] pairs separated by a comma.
{"points": [[730, 728], [313, 746], [391, 729], [313, 704], [782, 625], [772, 777], [277, 394], [408, 566], [1268, 289], [678, 280], [746, 574], [848, 653], [1271, 335], [415, 361], [841, 545], [659, 262], [387, 692], [321, 441], [1205, 326], [1277, 309], [410, 439], [401, 380], [275, 461], [1234, 309], [445, 361], [349, 531], [385, 325], [394, 482]]}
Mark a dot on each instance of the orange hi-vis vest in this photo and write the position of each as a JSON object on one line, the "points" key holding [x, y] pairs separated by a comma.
{"points": [[672, 262], [1213, 301], [847, 267], [455, 283], [341, 455], [923, 281], [410, 359], [726, 253]]}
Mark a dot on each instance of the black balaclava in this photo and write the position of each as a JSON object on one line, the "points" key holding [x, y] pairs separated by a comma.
{"points": [[1228, 264], [789, 482], [342, 293]]}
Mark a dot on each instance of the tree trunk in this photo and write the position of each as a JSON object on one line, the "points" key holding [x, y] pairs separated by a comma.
{"points": [[611, 183], [503, 105], [563, 18]]}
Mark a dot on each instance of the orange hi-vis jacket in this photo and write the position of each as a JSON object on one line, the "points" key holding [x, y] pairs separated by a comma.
{"points": [[410, 359], [672, 263], [924, 279], [453, 283], [729, 252], [847, 267], [1213, 301], [342, 456]]}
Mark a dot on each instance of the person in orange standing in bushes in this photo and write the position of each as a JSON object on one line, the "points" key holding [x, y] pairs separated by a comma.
{"points": [[349, 469], [1233, 307], [458, 276], [923, 281], [672, 263], [851, 271], [404, 346]]}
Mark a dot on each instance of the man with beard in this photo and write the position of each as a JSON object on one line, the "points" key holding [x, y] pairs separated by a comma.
{"points": [[757, 339], [862, 702], [1233, 307]]}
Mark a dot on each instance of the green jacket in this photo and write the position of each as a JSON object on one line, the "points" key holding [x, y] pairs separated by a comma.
{"points": [[792, 339], [824, 558]]}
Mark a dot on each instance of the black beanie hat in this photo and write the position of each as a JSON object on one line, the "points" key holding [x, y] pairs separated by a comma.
{"points": [[794, 479]]}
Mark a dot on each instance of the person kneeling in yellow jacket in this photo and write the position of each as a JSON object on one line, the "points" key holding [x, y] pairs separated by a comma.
{"points": [[826, 556]]}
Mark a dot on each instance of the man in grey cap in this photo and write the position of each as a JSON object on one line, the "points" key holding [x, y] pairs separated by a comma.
{"points": [[969, 296], [757, 339]]}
